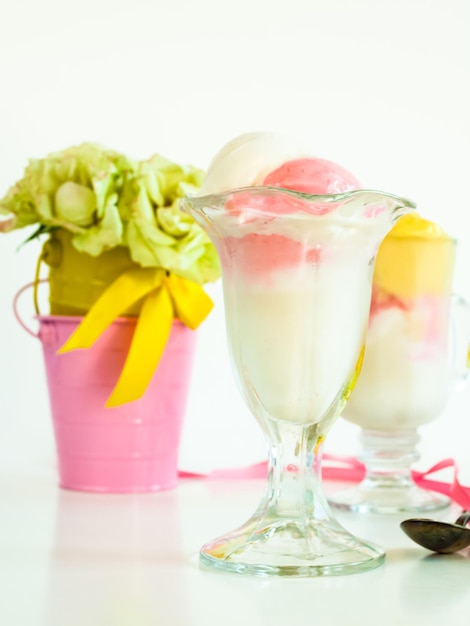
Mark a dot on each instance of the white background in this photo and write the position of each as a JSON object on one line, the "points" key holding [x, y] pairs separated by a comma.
{"points": [[380, 86]]}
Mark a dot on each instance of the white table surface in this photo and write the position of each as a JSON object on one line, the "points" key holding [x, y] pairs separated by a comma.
{"points": [[71, 558], [80, 559]]}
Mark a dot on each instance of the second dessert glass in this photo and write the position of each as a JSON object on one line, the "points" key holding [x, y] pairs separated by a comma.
{"points": [[297, 272], [407, 373]]}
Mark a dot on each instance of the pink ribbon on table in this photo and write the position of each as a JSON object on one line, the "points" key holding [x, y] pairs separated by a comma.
{"points": [[454, 490], [348, 468]]}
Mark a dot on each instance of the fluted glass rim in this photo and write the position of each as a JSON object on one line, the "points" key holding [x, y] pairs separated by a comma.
{"points": [[217, 200]]}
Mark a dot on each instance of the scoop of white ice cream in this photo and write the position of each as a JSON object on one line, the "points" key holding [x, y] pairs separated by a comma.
{"points": [[247, 159]]}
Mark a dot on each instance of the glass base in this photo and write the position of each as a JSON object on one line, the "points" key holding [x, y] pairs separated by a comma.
{"points": [[387, 500], [285, 547], [388, 486]]}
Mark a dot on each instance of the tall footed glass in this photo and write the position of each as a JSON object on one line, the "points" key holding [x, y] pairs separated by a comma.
{"points": [[297, 272]]}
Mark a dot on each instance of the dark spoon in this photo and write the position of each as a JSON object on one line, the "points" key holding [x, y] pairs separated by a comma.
{"points": [[442, 537]]}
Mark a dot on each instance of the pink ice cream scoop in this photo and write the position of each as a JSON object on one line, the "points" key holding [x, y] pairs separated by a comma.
{"points": [[307, 175], [312, 176]]}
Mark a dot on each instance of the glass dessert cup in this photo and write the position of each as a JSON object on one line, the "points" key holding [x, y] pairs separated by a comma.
{"points": [[406, 374], [297, 273]]}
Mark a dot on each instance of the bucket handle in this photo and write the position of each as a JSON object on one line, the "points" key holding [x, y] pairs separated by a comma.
{"points": [[16, 298], [33, 285]]}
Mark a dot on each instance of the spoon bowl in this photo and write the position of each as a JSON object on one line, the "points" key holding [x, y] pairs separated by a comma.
{"points": [[442, 537]]}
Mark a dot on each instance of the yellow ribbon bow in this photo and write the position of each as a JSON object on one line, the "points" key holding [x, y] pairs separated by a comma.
{"points": [[165, 296]]}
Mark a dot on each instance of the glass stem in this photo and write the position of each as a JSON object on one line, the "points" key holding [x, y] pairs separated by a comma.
{"points": [[294, 489], [388, 457]]}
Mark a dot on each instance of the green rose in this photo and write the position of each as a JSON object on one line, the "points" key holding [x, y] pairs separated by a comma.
{"points": [[105, 200]]}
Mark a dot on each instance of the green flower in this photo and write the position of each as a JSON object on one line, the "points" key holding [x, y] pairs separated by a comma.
{"points": [[105, 200], [76, 189], [156, 232]]}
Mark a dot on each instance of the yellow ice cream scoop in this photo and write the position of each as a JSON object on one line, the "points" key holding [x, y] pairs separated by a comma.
{"points": [[416, 258], [413, 225]]}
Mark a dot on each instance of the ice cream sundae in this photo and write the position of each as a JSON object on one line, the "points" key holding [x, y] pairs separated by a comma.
{"points": [[299, 287], [297, 277], [405, 375]]}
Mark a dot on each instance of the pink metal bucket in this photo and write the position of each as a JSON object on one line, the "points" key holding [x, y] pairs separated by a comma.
{"points": [[130, 448]]}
